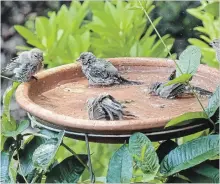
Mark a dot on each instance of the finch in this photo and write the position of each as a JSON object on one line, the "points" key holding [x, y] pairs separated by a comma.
{"points": [[106, 107], [100, 71], [25, 65]]}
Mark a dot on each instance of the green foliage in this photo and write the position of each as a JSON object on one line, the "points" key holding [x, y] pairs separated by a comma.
{"points": [[7, 98], [65, 34], [143, 153], [120, 166], [68, 171], [190, 154], [181, 79], [62, 36], [5, 162], [120, 30], [187, 118], [23, 125], [213, 103], [208, 32], [189, 61]]}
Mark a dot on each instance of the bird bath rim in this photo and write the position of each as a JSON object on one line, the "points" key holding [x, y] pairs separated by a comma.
{"points": [[100, 126]]}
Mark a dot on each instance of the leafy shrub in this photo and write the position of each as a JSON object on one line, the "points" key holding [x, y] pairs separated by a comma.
{"points": [[208, 13], [119, 30], [62, 36], [116, 29]]}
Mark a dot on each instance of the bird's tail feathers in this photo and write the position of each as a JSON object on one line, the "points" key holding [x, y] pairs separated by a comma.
{"points": [[130, 82]]}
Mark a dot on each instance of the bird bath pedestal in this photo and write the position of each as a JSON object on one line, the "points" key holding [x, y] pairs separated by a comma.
{"points": [[58, 101]]}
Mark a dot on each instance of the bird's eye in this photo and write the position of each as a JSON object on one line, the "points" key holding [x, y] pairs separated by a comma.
{"points": [[82, 57], [35, 56]]}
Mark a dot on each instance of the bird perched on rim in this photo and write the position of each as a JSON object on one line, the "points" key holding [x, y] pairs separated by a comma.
{"points": [[100, 71], [176, 90], [216, 45], [106, 107], [23, 67]]}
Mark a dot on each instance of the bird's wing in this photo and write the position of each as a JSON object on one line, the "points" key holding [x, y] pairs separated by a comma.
{"points": [[109, 67], [12, 65], [98, 75]]}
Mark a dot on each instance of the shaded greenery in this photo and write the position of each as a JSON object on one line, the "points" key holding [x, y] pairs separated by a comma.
{"points": [[208, 13]]}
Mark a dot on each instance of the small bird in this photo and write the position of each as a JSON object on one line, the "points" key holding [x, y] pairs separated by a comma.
{"points": [[23, 67], [100, 71], [106, 107], [216, 45], [176, 90]]}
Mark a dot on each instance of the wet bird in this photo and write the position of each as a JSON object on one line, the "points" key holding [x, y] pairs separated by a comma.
{"points": [[176, 90], [216, 45], [100, 71], [23, 67], [106, 107]]}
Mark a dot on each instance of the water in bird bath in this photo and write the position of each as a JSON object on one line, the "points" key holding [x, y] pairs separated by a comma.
{"points": [[68, 97]]}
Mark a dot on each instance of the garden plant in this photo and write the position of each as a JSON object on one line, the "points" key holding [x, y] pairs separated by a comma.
{"points": [[32, 154]]}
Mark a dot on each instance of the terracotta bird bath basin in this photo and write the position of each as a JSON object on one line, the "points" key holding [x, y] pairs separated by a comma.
{"points": [[58, 101]]}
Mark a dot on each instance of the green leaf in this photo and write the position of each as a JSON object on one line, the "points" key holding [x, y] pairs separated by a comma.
{"points": [[208, 171], [68, 171], [7, 125], [186, 118], [213, 103], [190, 154], [213, 8], [26, 33], [120, 166], [7, 98], [26, 154], [143, 153], [5, 162], [134, 8], [44, 155], [181, 79], [23, 125], [189, 60]]}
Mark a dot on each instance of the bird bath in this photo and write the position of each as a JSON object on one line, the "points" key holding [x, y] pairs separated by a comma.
{"points": [[58, 101]]}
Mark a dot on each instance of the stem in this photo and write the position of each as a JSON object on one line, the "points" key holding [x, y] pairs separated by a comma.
{"points": [[158, 34], [74, 153], [92, 176]]}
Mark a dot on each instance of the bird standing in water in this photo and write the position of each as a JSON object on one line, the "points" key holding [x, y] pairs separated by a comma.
{"points": [[24, 66], [100, 71], [216, 45], [106, 107]]}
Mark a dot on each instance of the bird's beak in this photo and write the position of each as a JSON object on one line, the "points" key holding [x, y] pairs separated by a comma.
{"points": [[78, 59]]}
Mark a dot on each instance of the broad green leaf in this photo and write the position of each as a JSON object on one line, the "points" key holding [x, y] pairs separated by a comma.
{"points": [[189, 61], [181, 79], [5, 162], [6, 124], [213, 103], [41, 33], [68, 171], [143, 153], [23, 125], [7, 98], [208, 171], [120, 166], [213, 8], [26, 154], [26, 33], [134, 8], [190, 154], [187, 118], [44, 155]]}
